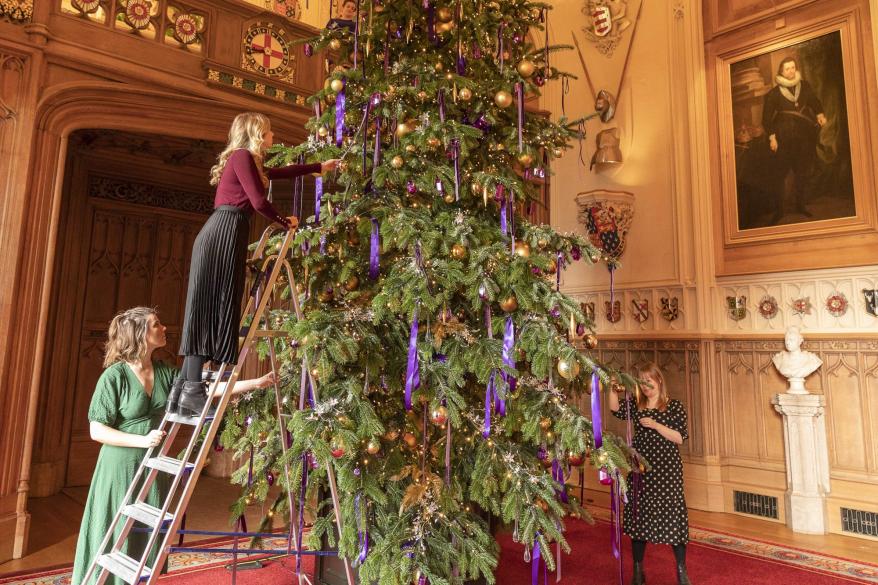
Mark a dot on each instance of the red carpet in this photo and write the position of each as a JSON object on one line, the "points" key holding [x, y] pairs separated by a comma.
{"points": [[592, 563], [273, 572]]}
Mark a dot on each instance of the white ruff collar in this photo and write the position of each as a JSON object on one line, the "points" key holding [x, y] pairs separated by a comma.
{"points": [[784, 82]]}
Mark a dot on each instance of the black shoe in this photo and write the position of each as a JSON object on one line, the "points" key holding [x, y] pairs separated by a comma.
{"points": [[193, 398], [638, 577], [682, 577], [174, 396]]}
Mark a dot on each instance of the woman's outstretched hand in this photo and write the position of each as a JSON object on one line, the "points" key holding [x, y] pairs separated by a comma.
{"points": [[329, 165]]}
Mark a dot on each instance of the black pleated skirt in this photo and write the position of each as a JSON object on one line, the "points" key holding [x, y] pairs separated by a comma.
{"points": [[216, 285]]}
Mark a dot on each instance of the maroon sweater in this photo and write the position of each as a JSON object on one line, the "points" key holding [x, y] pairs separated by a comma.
{"points": [[241, 185]]}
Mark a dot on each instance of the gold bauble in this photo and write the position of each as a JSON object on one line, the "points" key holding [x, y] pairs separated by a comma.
{"points": [[344, 420], [542, 243], [525, 159], [372, 447], [352, 283], [526, 68], [439, 66], [603, 458], [458, 251], [336, 85], [449, 198], [410, 440], [545, 423], [465, 94], [509, 304], [391, 435], [335, 44], [503, 98], [315, 373], [322, 132], [262, 436], [410, 148], [568, 369], [552, 268], [522, 249], [433, 142], [402, 129], [391, 90], [444, 14], [397, 162], [422, 95], [444, 27], [557, 152], [591, 341], [439, 415]]}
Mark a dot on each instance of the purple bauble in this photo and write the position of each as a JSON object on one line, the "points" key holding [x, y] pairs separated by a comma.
{"points": [[357, 471], [539, 79], [542, 454], [269, 477], [536, 271], [411, 188], [516, 38], [482, 123], [576, 253], [483, 292], [461, 65], [555, 312], [580, 329], [308, 49]]}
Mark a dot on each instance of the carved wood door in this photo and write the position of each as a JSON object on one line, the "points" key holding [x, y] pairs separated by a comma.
{"points": [[135, 255]]}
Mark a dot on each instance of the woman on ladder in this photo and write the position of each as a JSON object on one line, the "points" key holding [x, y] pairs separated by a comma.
{"points": [[216, 275], [125, 412]]}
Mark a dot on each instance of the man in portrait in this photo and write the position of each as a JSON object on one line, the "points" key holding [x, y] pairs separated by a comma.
{"points": [[792, 116]]}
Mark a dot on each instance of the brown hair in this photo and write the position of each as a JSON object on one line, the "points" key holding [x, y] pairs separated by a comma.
{"points": [[785, 61], [652, 369], [246, 133], [126, 338]]}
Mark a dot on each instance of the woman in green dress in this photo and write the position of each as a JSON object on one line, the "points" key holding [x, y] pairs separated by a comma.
{"points": [[125, 412]]}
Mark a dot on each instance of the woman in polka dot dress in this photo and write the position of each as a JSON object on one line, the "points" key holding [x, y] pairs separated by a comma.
{"points": [[661, 516]]}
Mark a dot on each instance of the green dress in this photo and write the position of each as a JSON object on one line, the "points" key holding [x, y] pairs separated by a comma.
{"points": [[120, 402]]}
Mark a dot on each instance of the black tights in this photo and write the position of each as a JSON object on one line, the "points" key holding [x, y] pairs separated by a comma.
{"points": [[638, 548], [192, 366]]}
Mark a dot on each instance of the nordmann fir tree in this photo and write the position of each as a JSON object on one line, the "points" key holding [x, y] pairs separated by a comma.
{"points": [[433, 326]]}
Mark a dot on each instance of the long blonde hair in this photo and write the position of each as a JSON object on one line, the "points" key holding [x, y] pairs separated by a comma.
{"points": [[126, 338], [652, 369], [246, 132]]}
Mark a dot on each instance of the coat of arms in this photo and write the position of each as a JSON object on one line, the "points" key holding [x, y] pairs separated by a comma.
{"points": [[614, 311], [607, 20], [670, 308], [871, 296], [736, 307], [588, 311], [641, 309], [837, 304]]}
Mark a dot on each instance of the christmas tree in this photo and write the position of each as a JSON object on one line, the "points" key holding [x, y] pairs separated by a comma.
{"points": [[433, 323]]}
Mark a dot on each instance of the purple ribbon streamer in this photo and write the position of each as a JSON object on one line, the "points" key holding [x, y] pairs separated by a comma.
{"points": [[558, 268], [362, 534], [339, 117], [318, 196], [489, 398], [374, 250], [441, 99], [498, 191], [508, 360], [558, 475], [500, 45], [519, 98], [535, 566], [357, 35], [455, 152], [431, 23], [596, 410], [242, 523], [376, 155], [302, 491], [250, 469], [323, 244], [412, 376]]}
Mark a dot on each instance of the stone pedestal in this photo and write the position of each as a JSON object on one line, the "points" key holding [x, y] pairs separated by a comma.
{"points": [[807, 461]]}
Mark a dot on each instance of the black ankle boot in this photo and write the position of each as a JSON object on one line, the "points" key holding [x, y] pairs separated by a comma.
{"points": [[638, 577], [192, 398], [174, 396], [682, 577]]}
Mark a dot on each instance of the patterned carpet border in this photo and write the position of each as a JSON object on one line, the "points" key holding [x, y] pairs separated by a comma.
{"points": [[185, 562]]}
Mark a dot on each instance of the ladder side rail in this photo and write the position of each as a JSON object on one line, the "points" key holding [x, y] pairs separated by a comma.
{"points": [[294, 531], [212, 429]]}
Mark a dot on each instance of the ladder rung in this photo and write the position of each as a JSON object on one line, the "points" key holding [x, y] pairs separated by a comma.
{"points": [[271, 333], [189, 420], [149, 515], [168, 464], [123, 566]]}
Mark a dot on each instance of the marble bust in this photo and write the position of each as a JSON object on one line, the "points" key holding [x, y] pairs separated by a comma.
{"points": [[795, 364]]}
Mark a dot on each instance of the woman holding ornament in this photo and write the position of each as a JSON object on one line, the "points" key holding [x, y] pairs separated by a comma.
{"points": [[216, 275], [124, 415], [660, 515]]}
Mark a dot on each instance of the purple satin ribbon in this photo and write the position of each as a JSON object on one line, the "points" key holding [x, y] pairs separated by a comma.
{"points": [[558, 475], [455, 153], [431, 24], [374, 250], [412, 375], [558, 269], [498, 192], [596, 410], [535, 566], [519, 103], [339, 117], [250, 469], [616, 528], [318, 197], [508, 360], [490, 393], [362, 533], [302, 492]]}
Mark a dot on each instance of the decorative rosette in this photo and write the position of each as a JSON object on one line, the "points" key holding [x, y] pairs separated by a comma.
{"points": [[86, 6], [186, 27], [137, 13]]}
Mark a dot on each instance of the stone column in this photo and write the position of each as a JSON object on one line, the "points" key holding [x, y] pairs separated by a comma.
{"points": [[807, 461]]}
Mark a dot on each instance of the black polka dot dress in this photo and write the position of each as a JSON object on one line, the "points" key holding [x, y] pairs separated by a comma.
{"points": [[660, 514]]}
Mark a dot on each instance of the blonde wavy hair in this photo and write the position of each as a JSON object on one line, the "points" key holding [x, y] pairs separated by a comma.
{"points": [[246, 132], [126, 339], [655, 373]]}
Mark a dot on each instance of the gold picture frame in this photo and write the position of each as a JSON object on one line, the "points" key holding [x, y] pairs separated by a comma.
{"points": [[770, 211]]}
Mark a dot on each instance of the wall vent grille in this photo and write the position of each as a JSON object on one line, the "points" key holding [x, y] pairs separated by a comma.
{"points": [[859, 522], [756, 504]]}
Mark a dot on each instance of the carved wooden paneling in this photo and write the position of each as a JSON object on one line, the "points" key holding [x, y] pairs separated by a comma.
{"points": [[724, 15]]}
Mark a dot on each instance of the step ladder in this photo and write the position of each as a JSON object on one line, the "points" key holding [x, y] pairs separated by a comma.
{"points": [[163, 524]]}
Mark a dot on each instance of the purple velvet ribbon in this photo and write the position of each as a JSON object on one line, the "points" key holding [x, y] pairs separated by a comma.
{"points": [[374, 250], [412, 374], [498, 192], [508, 360], [558, 475], [596, 409], [616, 528], [558, 269], [250, 469], [455, 154], [461, 64], [431, 23], [441, 100], [339, 117], [535, 565], [519, 103], [318, 196], [490, 393], [362, 533]]}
